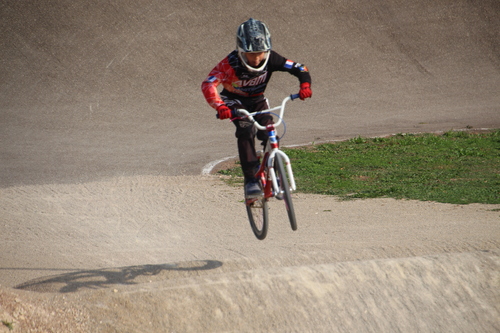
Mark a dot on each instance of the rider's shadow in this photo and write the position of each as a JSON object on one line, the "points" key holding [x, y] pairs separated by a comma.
{"points": [[110, 277]]}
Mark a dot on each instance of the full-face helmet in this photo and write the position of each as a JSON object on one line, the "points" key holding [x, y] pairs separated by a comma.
{"points": [[253, 36]]}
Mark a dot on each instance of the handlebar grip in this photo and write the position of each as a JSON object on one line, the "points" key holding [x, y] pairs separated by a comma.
{"points": [[294, 96], [234, 114]]}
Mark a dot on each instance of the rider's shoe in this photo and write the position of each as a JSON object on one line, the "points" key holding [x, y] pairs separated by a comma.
{"points": [[252, 189]]}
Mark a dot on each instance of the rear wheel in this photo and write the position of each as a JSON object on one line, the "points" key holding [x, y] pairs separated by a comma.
{"points": [[258, 216], [285, 193]]}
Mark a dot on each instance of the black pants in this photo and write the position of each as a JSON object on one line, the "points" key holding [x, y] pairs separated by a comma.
{"points": [[246, 132]]}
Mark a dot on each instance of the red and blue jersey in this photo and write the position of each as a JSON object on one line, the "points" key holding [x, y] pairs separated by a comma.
{"points": [[238, 81]]}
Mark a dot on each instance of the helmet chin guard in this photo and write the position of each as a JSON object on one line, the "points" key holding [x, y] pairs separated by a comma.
{"points": [[250, 67], [253, 36]]}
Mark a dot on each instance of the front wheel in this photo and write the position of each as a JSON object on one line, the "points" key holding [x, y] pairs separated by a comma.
{"points": [[285, 191], [258, 216]]}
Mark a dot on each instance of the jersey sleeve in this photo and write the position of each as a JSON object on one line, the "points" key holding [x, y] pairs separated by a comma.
{"points": [[213, 80], [282, 64]]}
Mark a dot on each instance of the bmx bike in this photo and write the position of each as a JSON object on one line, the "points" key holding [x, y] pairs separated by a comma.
{"points": [[275, 173]]}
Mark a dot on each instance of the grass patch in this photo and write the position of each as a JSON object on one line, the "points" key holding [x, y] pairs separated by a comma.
{"points": [[8, 324], [456, 167]]}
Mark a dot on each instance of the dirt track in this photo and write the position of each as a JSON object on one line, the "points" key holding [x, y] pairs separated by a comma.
{"points": [[107, 224]]}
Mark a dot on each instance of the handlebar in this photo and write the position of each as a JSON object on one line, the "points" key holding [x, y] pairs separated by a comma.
{"points": [[245, 114]]}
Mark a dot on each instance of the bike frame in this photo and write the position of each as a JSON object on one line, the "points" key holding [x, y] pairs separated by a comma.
{"points": [[272, 149]]}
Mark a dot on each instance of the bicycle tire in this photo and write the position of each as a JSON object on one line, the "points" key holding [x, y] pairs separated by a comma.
{"points": [[258, 215], [285, 190]]}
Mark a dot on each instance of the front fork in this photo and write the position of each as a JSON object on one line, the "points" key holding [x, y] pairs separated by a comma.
{"points": [[266, 179]]}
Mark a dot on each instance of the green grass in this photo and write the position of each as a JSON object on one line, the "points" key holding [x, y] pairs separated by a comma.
{"points": [[456, 167], [8, 324]]}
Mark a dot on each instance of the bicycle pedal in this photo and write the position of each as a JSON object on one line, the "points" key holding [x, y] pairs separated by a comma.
{"points": [[251, 201]]}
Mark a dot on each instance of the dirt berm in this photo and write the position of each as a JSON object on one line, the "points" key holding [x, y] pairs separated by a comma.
{"points": [[108, 225]]}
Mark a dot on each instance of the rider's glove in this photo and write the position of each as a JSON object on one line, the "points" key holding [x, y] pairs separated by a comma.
{"points": [[223, 112], [305, 90]]}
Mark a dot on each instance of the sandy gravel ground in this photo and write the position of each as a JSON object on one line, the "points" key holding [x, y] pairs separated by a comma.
{"points": [[109, 223], [136, 254]]}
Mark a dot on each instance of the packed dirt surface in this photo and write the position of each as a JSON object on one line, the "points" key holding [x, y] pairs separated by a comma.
{"points": [[111, 218]]}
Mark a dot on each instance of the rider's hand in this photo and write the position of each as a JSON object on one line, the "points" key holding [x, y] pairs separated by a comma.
{"points": [[224, 112], [305, 90]]}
